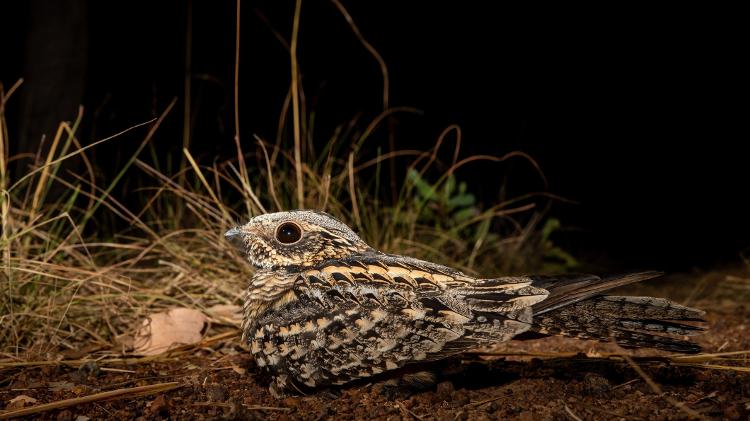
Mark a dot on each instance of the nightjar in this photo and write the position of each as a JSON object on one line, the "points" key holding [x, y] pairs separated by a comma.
{"points": [[324, 308]]}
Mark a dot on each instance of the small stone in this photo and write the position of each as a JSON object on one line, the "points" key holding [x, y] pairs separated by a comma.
{"points": [[64, 415], [159, 406], [444, 390], [595, 385], [490, 407], [460, 398], [89, 368], [78, 377], [290, 402]]}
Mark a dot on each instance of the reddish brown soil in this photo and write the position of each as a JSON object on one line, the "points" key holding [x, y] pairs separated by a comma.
{"points": [[221, 384]]}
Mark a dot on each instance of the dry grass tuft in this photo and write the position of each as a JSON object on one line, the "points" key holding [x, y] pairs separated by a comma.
{"points": [[74, 284]]}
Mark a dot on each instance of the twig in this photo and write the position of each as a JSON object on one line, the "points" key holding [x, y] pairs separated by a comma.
{"points": [[386, 88], [267, 408], [527, 354], [295, 106], [146, 140], [657, 389], [706, 357], [5, 96], [203, 180], [716, 367], [571, 414], [220, 404], [626, 383], [76, 152], [263, 18], [369, 48], [352, 192], [112, 394], [405, 411], [116, 370], [482, 402], [271, 187], [240, 155], [188, 82]]}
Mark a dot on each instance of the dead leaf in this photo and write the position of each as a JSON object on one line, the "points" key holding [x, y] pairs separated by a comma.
{"points": [[82, 418], [227, 313], [20, 401], [163, 331]]}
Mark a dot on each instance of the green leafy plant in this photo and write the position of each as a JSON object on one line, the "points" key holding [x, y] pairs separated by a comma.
{"points": [[556, 260], [446, 205]]}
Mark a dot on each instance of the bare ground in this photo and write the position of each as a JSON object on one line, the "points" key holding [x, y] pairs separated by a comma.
{"points": [[557, 379]]}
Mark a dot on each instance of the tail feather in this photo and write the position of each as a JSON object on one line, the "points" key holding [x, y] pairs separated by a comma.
{"points": [[568, 290], [630, 339], [576, 308], [661, 326]]}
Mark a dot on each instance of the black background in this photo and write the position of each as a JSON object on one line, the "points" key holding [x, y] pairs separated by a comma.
{"points": [[637, 115]]}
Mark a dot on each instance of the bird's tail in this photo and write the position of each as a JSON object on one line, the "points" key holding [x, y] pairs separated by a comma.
{"points": [[576, 308]]}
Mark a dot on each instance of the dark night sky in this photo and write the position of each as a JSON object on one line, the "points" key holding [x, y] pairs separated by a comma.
{"points": [[634, 114]]}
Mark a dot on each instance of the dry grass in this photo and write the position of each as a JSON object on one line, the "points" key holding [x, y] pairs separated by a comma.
{"points": [[79, 267], [67, 285]]}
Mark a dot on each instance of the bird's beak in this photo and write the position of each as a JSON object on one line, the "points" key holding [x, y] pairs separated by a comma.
{"points": [[235, 237]]}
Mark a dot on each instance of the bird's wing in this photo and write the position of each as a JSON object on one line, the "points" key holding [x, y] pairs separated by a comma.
{"points": [[570, 289], [370, 314]]}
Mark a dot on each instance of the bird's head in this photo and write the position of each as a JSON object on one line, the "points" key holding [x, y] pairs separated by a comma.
{"points": [[295, 239]]}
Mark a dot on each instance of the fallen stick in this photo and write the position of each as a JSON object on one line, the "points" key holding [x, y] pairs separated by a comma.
{"points": [[118, 393]]}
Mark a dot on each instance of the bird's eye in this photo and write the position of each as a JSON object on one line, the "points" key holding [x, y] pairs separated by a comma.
{"points": [[288, 233]]}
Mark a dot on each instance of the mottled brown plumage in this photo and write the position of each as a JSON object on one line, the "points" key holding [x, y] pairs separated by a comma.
{"points": [[325, 308]]}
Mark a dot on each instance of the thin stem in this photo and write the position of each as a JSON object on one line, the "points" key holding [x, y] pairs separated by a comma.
{"points": [[296, 106]]}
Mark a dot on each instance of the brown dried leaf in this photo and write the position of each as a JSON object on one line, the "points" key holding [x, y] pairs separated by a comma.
{"points": [[20, 401], [227, 313], [163, 331]]}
